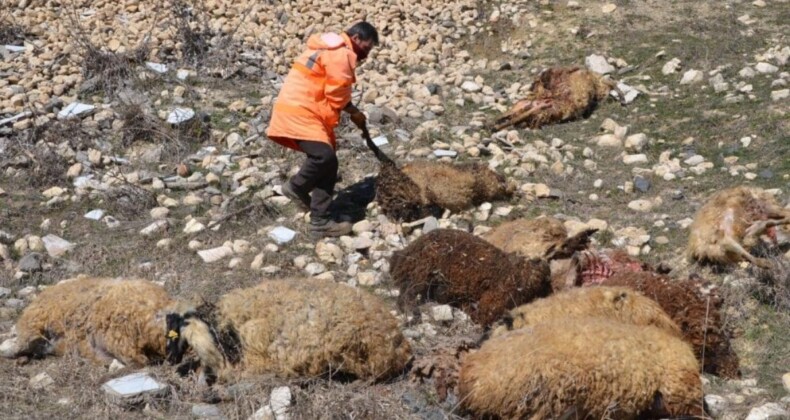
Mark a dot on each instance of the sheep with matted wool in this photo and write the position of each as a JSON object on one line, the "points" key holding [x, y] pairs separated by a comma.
{"points": [[296, 327], [420, 189], [582, 368], [696, 308], [101, 318], [622, 304], [733, 222], [457, 268]]}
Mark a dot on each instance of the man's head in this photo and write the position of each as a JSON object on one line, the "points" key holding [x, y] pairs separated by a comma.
{"points": [[363, 38]]}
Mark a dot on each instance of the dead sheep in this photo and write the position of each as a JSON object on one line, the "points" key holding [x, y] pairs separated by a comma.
{"points": [[593, 266], [731, 223], [582, 368], [557, 95], [101, 318], [619, 303], [543, 237], [420, 189], [296, 327], [696, 308], [457, 268]]}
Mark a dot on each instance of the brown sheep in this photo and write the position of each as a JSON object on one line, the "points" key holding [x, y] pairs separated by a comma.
{"points": [[101, 318], [460, 269], [731, 222], [696, 308], [543, 237], [297, 327], [619, 303], [557, 95], [577, 368], [420, 189]]}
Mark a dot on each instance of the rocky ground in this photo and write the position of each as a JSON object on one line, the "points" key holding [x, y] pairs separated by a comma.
{"points": [[131, 144]]}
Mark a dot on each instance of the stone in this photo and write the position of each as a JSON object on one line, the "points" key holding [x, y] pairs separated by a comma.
{"points": [[471, 87], [158, 226], [56, 246], [641, 205], [769, 411], [328, 252], [445, 153], [609, 140], [598, 64], [94, 215], [636, 142], [156, 67], [115, 366], [431, 224], [282, 235], [608, 8], [53, 192], [206, 411], [75, 110], [4, 292], [380, 141], [629, 93], [716, 404], [368, 278], [31, 262], [9, 348], [280, 402], [182, 74], [694, 160], [361, 242], [692, 77], [314, 268], [193, 226], [263, 413], [362, 226], [180, 115], [442, 313], [786, 381], [41, 381], [671, 66], [642, 184], [766, 68], [215, 254], [635, 159], [778, 95], [133, 388], [159, 213]]}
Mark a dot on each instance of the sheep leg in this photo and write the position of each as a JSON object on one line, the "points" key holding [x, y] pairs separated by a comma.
{"points": [[538, 106], [731, 245], [757, 229]]}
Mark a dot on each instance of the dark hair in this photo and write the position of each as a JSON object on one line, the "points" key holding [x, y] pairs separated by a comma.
{"points": [[365, 31]]}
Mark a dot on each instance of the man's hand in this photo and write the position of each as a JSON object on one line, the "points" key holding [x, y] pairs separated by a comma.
{"points": [[359, 119]]}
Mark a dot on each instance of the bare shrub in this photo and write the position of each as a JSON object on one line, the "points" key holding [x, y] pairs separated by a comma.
{"points": [[192, 31], [129, 200], [139, 125], [10, 32]]}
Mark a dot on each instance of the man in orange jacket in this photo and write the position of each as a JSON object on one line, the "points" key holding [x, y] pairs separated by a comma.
{"points": [[308, 109]]}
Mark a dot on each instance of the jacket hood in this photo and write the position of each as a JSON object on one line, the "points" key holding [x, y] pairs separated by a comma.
{"points": [[328, 41]]}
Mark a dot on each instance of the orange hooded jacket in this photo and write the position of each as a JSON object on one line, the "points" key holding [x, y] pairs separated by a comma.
{"points": [[316, 89]]}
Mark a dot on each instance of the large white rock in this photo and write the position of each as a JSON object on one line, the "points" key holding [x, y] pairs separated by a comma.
{"points": [[41, 381], [75, 110], [692, 77], [629, 93], [180, 115], [56, 246], [127, 389], [282, 235], [280, 402], [154, 228], [598, 64], [671, 66], [442, 313], [156, 67], [636, 142], [766, 68], [9, 347], [716, 404], [769, 411], [215, 254], [470, 86]]}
